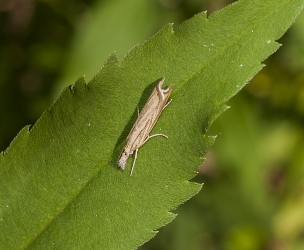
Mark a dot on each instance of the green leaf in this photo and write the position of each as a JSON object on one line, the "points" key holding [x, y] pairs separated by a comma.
{"points": [[60, 185]]}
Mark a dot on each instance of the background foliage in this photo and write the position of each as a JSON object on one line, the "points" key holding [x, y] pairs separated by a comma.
{"points": [[253, 192]]}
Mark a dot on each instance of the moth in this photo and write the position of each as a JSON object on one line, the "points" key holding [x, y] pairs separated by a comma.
{"points": [[147, 118]]}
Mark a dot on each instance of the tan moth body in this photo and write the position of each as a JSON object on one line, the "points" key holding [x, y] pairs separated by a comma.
{"points": [[145, 122]]}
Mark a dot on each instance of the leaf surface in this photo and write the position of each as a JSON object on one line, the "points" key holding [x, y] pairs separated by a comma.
{"points": [[60, 185]]}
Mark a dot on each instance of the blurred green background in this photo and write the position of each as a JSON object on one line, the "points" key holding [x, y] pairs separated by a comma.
{"points": [[253, 196]]}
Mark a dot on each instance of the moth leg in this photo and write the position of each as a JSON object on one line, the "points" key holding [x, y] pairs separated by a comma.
{"points": [[137, 111], [167, 104], [150, 136], [136, 150], [135, 157]]}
